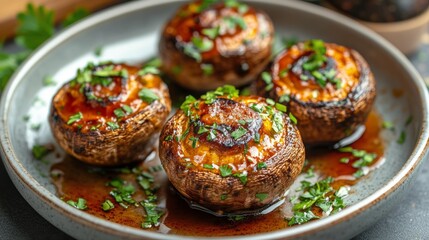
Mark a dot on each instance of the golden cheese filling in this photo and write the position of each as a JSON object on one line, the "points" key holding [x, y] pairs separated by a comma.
{"points": [[328, 73], [105, 96], [228, 135]]}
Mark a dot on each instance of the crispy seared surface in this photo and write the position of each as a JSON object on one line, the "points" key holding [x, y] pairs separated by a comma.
{"points": [[238, 45], [195, 162], [101, 136]]}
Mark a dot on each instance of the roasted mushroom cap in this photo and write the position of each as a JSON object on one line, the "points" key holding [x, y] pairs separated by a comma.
{"points": [[108, 114], [207, 45], [329, 88], [231, 154]]}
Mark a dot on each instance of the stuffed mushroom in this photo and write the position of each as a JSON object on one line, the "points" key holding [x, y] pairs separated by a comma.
{"points": [[231, 153], [109, 113], [329, 88], [208, 44]]}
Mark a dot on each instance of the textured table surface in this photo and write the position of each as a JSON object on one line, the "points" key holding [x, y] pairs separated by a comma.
{"points": [[409, 220]]}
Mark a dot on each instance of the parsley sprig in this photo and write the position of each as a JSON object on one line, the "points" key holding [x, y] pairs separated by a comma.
{"points": [[362, 159], [318, 195]]}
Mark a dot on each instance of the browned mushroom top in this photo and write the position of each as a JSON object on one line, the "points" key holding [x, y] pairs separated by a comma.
{"points": [[205, 29], [101, 97], [314, 71], [226, 133]]}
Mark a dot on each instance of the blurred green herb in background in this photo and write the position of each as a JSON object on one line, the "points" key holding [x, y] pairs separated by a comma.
{"points": [[35, 26]]}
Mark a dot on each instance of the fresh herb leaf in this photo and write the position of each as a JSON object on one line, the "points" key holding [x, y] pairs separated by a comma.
{"points": [[202, 44], [261, 165], [49, 81], [388, 125], [284, 98], [79, 204], [148, 69], [107, 205], [281, 107], [127, 109], [301, 217], [75, 16], [277, 123], [344, 160], [212, 33], [75, 118], [238, 133], [98, 51], [402, 138], [148, 95], [223, 197], [39, 151], [119, 112], [261, 196], [194, 141], [208, 166], [152, 215], [113, 126], [242, 177], [225, 170], [207, 69], [35, 26]]}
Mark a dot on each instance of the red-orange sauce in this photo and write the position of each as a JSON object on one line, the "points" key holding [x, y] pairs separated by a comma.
{"points": [[79, 180]]}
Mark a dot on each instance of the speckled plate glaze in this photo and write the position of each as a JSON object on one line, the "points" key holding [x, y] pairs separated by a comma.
{"points": [[130, 33]]}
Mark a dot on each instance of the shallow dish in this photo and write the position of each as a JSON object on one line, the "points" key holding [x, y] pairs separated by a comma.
{"points": [[130, 33]]}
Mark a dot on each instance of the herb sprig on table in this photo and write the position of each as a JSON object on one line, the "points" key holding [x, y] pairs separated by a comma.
{"points": [[35, 26]]}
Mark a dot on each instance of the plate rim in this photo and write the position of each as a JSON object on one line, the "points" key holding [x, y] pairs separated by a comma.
{"points": [[15, 167]]}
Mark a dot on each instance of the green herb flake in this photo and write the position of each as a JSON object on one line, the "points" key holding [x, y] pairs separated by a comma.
{"points": [[168, 138], [257, 138], [98, 51], [238, 133], [113, 126], [202, 44], [75, 16], [233, 21], [281, 107], [225, 170], [119, 112], [402, 138], [359, 173], [388, 125], [261, 165], [223, 197], [148, 69], [283, 73], [302, 217], [284, 98], [344, 160], [191, 51], [75, 118], [207, 69], [310, 172], [148, 95], [49, 81], [194, 141], [107, 205], [293, 118], [277, 123], [208, 166], [212, 33], [79, 204], [242, 177], [270, 101], [40, 151], [261, 196], [409, 120], [152, 215], [127, 109], [266, 77]]}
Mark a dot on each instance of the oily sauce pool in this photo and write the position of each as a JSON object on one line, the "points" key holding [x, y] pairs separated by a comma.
{"points": [[74, 180]]}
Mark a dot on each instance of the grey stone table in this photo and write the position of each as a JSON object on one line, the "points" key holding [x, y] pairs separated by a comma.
{"points": [[410, 219]]}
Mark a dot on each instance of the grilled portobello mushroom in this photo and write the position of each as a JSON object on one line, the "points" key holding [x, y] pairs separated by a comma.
{"points": [[329, 88], [231, 153], [108, 114], [208, 44]]}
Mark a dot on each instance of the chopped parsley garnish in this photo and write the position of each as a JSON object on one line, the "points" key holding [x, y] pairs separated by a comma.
{"points": [[409, 120], [261, 165], [49, 81], [278, 123], [113, 125], [310, 172], [233, 21], [190, 50], [79, 204], [202, 44], [388, 125], [152, 215], [148, 95], [212, 33], [122, 192], [39, 151], [223, 197], [75, 16], [208, 166], [148, 69], [127, 109], [281, 107], [284, 98], [225, 170], [242, 177], [293, 118], [238, 133], [283, 72], [257, 138], [168, 138], [261, 196], [401, 138], [321, 195], [119, 112], [362, 159], [75, 118], [270, 101], [107, 205], [207, 69], [98, 51], [194, 141], [187, 104]]}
